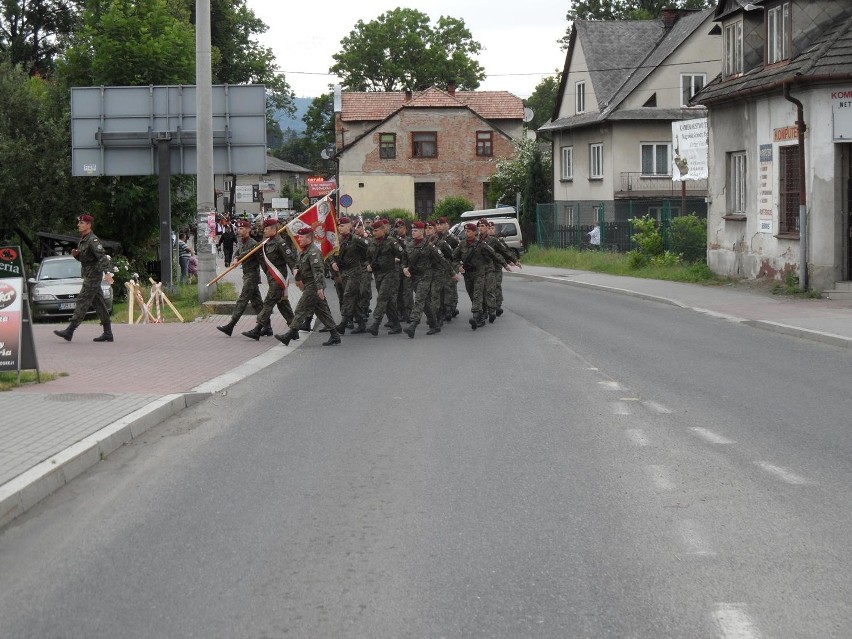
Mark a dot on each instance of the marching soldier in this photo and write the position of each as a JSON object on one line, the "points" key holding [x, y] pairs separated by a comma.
{"points": [[94, 266], [277, 256], [250, 291], [450, 302], [405, 296], [366, 296], [383, 258], [442, 277], [349, 263], [424, 260], [310, 268], [475, 258], [499, 245]]}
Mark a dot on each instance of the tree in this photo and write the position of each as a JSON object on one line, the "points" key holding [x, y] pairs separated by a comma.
{"points": [[542, 100], [510, 176], [33, 32], [319, 134], [537, 190], [399, 50], [625, 10]]}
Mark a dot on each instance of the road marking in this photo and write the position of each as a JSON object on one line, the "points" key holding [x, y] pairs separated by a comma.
{"points": [[783, 474], [621, 408], [711, 437], [637, 436], [656, 407], [693, 539], [610, 385], [733, 621], [660, 476]]}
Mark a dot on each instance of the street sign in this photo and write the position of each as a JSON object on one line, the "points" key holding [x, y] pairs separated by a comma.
{"points": [[346, 201]]}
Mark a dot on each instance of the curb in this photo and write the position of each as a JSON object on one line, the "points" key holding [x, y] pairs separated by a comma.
{"points": [[775, 327]]}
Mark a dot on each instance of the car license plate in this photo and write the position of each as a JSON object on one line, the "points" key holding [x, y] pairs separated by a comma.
{"points": [[67, 306]]}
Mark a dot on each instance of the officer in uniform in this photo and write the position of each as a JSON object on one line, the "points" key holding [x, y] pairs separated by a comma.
{"points": [[493, 274], [475, 258], [499, 245], [94, 267], [250, 292], [349, 263], [405, 296], [424, 260], [450, 301], [277, 256], [442, 277], [383, 258], [310, 269]]}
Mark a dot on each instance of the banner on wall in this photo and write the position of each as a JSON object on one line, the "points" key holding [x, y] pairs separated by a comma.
{"points": [[691, 146]]}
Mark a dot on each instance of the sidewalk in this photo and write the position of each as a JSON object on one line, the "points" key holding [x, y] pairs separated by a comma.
{"points": [[114, 392]]}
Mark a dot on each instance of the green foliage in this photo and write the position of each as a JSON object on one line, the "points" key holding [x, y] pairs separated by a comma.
{"points": [[648, 240], [511, 175], [688, 237], [791, 287], [401, 50], [391, 214], [537, 188], [452, 207], [542, 100], [34, 32]]}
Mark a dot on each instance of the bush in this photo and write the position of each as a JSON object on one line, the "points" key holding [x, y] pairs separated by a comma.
{"points": [[452, 207], [647, 237], [689, 238], [390, 214]]}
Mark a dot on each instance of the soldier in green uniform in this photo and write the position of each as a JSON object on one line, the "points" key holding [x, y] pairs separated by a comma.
{"points": [[383, 256], [349, 263], [277, 255], [442, 276], [94, 266], [405, 296], [499, 245], [366, 295], [475, 258], [250, 291], [450, 300], [492, 271], [310, 269], [424, 261]]}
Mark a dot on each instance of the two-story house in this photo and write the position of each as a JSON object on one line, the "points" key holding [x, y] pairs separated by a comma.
{"points": [[409, 150], [780, 117], [623, 85]]}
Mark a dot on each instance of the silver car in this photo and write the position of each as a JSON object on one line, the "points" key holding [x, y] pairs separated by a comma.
{"points": [[53, 291]]}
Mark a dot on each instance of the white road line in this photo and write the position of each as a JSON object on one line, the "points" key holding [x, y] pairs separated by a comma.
{"points": [[637, 436], [711, 437], [660, 476], [783, 474], [621, 408], [610, 385], [733, 621], [693, 539], [656, 407]]}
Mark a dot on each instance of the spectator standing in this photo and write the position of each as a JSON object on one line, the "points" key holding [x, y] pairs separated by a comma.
{"points": [[227, 241], [184, 253]]}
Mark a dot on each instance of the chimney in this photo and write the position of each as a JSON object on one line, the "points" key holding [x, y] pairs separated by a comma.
{"points": [[670, 16], [408, 95], [451, 88]]}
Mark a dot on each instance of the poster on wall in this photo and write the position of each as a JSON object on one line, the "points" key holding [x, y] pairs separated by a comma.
{"points": [[691, 145], [765, 186], [841, 114]]}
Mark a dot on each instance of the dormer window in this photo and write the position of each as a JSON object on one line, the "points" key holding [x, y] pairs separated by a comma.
{"points": [[733, 49], [778, 33], [690, 84], [581, 97]]}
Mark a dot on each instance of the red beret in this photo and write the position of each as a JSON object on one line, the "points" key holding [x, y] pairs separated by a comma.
{"points": [[470, 226], [86, 218], [385, 221], [399, 222], [344, 220], [482, 220], [270, 222], [490, 223], [418, 225], [443, 220], [430, 223], [243, 224], [305, 230], [377, 224]]}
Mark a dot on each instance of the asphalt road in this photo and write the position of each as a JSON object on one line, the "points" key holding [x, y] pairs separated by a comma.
{"points": [[591, 465]]}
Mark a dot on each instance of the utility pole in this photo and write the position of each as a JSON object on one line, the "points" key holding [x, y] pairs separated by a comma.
{"points": [[204, 141]]}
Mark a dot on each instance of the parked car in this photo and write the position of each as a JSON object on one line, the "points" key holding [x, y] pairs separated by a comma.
{"points": [[53, 291], [505, 226]]}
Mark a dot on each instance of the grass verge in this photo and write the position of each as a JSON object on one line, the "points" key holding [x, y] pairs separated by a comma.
{"points": [[9, 379]]}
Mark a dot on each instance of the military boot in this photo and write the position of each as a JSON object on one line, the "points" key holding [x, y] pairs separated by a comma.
{"points": [[306, 326], [68, 333], [254, 333], [480, 320], [106, 336], [266, 331], [333, 339], [373, 329], [409, 330], [228, 328], [361, 328], [498, 312], [434, 330], [491, 317], [289, 335], [473, 321], [395, 329], [341, 328]]}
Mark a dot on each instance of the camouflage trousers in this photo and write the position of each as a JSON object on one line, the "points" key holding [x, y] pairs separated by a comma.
{"points": [[422, 287], [90, 296], [309, 305], [474, 283], [275, 296], [387, 285], [249, 294], [352, 291]]}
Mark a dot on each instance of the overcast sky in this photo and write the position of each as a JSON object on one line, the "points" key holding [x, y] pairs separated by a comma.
{"points": [[519, 39]]}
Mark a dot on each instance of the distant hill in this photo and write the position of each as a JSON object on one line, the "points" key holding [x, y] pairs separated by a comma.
{"points": [[295, 123]]}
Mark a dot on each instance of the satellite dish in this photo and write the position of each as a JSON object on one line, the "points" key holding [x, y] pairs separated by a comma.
{"points": [[324, 154], [528, 114]]}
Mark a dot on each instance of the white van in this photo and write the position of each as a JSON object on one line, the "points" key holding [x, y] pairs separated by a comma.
{"points": [[505, 224]]}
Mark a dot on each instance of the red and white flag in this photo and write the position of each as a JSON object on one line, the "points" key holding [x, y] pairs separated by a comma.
{"points": [[323, 220], [274, 273]]}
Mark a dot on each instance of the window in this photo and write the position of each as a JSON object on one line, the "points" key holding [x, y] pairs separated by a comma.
{"points": [[424, 145], [484, 143], [387, 146], [690, 85], [737, 183], [656, 158], [596, 161], [567, 162], [788, 178], [734, 49], [778, 33], [581, 97]]}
